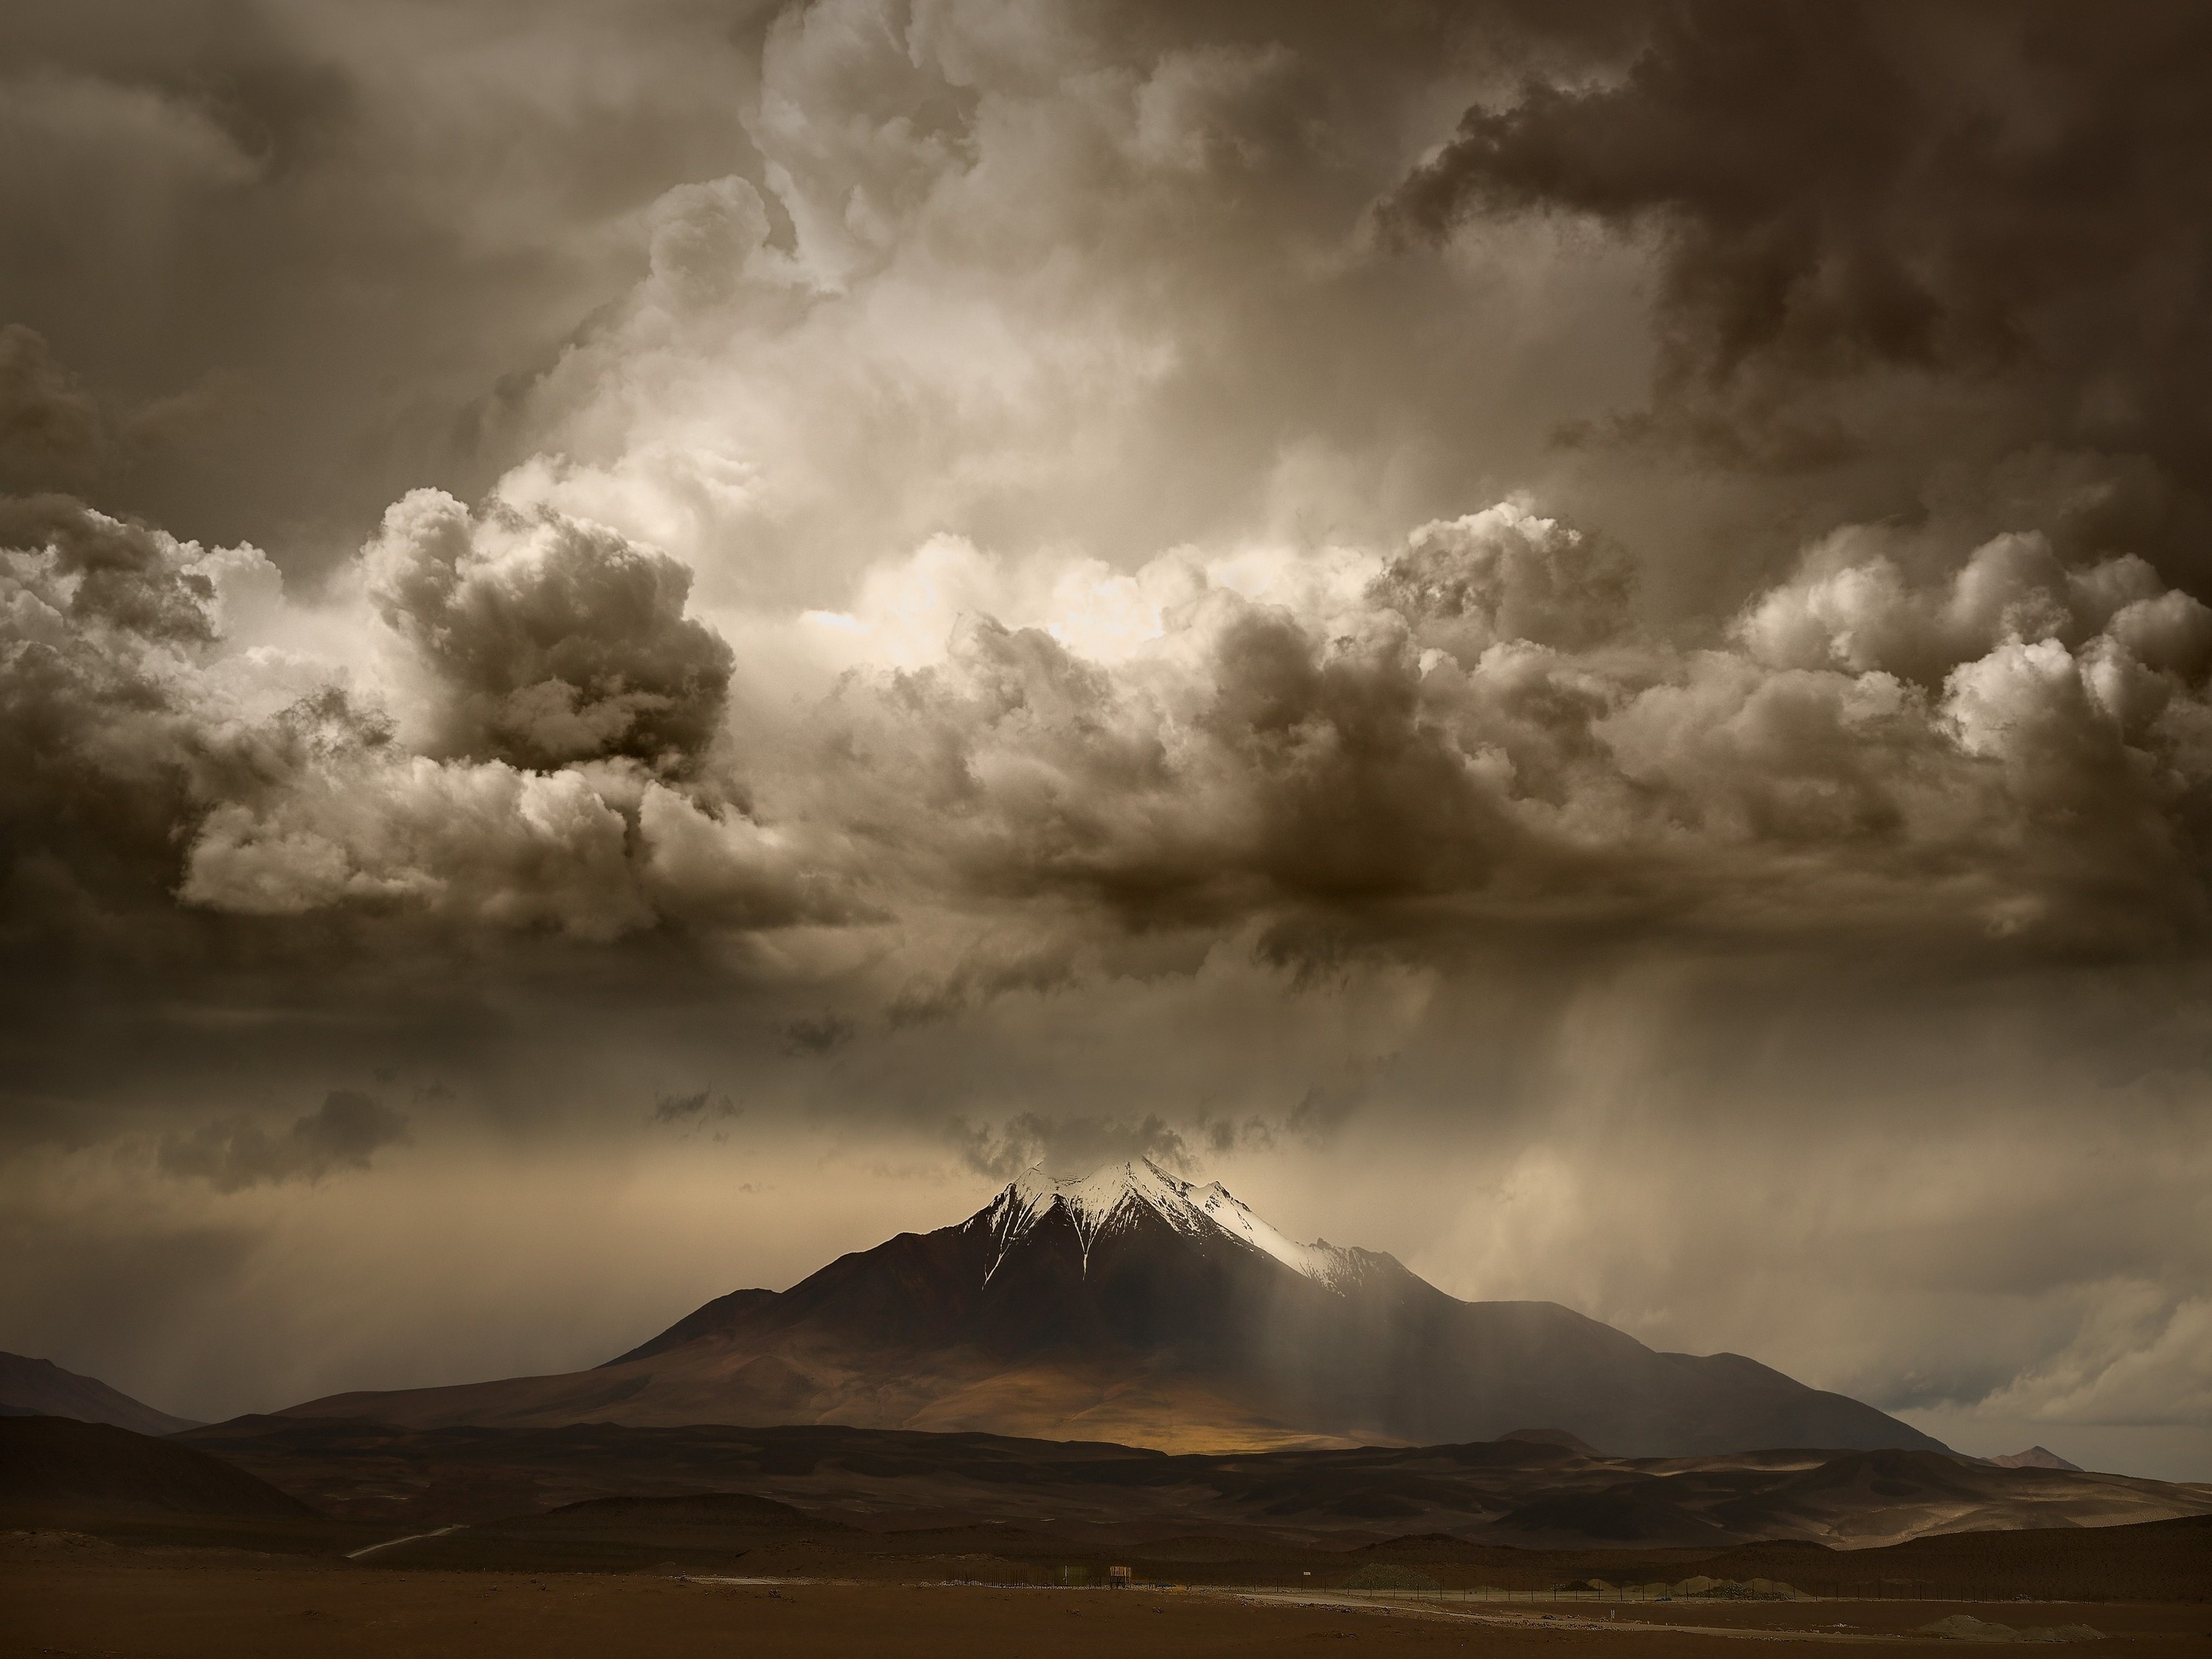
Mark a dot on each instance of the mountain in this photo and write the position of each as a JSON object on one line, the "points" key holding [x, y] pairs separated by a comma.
{"points": [[2035, 1458], [38, 1388], [1134, 1307]]}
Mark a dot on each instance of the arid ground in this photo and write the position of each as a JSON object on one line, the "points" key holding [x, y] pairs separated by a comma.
{"points": [[117, 1545], [180, 1605]]}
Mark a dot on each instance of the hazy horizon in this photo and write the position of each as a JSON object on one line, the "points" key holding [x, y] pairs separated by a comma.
{"points": [[642, 645]]}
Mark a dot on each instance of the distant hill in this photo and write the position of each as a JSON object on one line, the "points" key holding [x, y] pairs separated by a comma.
{"points": [[55, 1470], [38, 1388], [1134, 1307], [1558, 1437], [2035, 1458]]}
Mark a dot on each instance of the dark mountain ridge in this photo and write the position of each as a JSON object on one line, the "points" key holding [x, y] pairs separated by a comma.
{"points": [[1134, 1307], [1346, 1343], [38, 1388]]}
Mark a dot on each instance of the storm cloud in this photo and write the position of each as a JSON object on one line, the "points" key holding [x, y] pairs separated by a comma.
{"points": [[1559, 638], [344, 1132], [1834, 192]]}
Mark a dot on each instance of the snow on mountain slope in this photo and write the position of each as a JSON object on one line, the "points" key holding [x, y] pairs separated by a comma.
{"points": [[1099, 1201]]}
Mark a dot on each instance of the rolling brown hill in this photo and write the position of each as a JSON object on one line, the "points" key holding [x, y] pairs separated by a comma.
{"points": [[1135, 1307], [55, 1471], [596, 1481]]}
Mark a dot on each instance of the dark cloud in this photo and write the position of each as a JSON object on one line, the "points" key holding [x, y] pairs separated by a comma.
{"points": [[1323, 1111], [700, 1106], [1834, 190], [97, 742], [2010, 750], [1061, 1145], [1289, 764], [268, 209], [52, 436], [820, 1034], [344, 1132], [154, 751], [117, 575], [1482, 730]]}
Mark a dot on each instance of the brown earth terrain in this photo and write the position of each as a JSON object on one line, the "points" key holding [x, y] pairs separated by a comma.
{"points": [[210, 1605], [2163, 1561], [53, 1469], [1526, 1492], [133, 1548], [856, 1505]]}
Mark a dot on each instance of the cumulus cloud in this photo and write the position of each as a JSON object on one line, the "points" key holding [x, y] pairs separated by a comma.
{"points": [[993, 294], [2016, 743], [591, 852], [493, 844], [113, 730], [550, 640], [1505, 574], [707, 240], [155, 747]]}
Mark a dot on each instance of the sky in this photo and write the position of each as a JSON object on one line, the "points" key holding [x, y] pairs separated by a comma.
{"points": [[641, 643]]}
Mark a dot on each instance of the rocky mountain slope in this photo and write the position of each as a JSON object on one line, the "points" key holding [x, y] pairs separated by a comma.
{"points": [[1134, 1307], [38, 1388]]}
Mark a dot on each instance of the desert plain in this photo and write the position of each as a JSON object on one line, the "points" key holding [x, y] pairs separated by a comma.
{"points": [[325, 1539], [172, 1589], [71, 1597]]}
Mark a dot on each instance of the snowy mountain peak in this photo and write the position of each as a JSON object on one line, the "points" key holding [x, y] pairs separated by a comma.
{"points": [[1116, 1194]]}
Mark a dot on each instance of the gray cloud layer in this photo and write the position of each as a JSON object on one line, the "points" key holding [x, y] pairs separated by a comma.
{"points": [[1537, 600]]}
